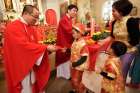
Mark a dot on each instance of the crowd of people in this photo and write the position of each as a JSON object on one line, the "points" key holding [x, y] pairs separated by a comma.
{"points": [[27, 67]]}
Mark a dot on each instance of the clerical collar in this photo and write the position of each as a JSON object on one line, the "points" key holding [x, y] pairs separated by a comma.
{"points": [[23, 20]]}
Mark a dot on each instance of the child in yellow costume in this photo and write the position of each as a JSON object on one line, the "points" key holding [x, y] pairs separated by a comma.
{"points": [[79, 58], [113, 81]]}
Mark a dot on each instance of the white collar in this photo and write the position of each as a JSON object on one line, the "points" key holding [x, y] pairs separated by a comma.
{"points": [[23, 20]]}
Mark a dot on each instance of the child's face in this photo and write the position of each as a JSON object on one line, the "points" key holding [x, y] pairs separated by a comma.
{"points": [[76, 35], [110, 51]]}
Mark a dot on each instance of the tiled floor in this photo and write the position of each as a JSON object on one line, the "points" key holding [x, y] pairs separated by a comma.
{"points": [[54, 85], [131, 90], [3, 88]]}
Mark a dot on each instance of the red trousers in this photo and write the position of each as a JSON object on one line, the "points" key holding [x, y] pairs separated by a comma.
{"points": [[76, 78]]}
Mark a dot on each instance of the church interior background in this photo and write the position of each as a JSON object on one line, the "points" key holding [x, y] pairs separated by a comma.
{"points": [[100, 10]]}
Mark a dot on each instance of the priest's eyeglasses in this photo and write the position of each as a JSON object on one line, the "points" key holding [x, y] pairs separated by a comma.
{"points": [[36, 17]]}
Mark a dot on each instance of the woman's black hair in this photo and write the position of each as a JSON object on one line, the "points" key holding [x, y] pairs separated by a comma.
{"points": [[124, 7]]}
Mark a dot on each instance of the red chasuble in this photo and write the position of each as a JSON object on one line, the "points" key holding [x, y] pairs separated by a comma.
{"points": [[21, 52], [64, 39]]}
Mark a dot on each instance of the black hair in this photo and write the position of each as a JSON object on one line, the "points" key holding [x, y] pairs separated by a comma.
{"points": [[76, 30], [133, 31], [28, 9], [124, 7], [71, 6], [119, 48]]}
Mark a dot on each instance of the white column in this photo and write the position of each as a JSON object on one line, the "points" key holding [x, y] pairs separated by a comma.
{"points": [[2, 9], [40, 6], [16, 6], [30, 2]]}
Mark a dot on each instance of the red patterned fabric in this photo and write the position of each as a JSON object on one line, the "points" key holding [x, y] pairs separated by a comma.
{"points": [[76, 81], [94, 49], [93, 53]]}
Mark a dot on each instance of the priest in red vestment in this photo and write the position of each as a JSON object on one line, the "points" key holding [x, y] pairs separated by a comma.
{"points": [[65, 39], [26, 62]]}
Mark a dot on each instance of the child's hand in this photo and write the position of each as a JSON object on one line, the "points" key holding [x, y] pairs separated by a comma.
{"points": [[63, 50], [98, 70]]}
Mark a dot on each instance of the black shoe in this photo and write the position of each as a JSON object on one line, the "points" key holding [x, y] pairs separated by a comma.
{"points": [[72, 91], [69, 78]]}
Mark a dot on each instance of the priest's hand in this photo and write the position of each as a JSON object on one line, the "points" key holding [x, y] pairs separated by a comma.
{"points": [[52, 48]]}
